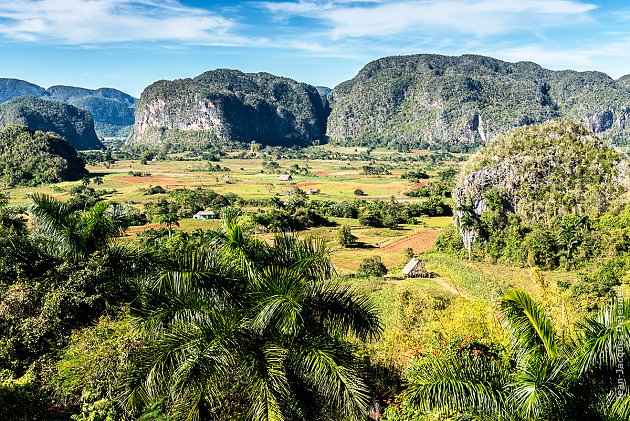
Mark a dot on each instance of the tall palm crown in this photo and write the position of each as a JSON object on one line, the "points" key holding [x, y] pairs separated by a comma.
{"points": [[539, 378], [70, 233], [247, 330]]}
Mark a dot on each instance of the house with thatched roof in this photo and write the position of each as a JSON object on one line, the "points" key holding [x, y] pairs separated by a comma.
{"points": [[285, 177], [415, 269]]}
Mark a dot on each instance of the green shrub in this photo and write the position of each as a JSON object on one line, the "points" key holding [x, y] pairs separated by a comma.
{"points": [[372, 266]]}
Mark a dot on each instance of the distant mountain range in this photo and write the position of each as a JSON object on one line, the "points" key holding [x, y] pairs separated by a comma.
{"points": [[112, 110], [418, 101], [441, 101]]}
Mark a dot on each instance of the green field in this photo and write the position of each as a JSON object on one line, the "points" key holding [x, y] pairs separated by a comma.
{"points": [[336, 180]]}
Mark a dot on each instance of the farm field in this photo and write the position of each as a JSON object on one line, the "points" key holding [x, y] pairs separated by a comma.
{"points": [[335, 180]]}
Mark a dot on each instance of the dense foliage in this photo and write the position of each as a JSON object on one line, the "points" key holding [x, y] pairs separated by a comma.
{"points": [[540, 375], [235, 106], [73, 124], [222, 327], [458, 102], [34, 157]]}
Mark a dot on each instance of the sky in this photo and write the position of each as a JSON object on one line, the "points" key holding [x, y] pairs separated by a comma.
{"points": [[128, 44]]}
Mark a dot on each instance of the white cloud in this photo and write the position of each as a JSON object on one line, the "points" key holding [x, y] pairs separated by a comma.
{"points": [[547, 58], [475, 17], [612, 58], [99, 21]]}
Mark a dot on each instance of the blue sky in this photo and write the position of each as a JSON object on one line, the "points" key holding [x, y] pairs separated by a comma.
{"points": [[129, 44]]}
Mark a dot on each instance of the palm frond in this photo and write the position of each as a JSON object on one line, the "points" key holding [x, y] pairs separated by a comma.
{"points": [[342, 309], [461, 384], [310, 256], [602, 337], [270, 386], [332, 375], [540, 388], [278, 298], [621, 406], [531, 330]]}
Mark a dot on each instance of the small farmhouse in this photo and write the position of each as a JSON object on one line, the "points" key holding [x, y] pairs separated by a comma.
{"points": [[285, 177], [204, 215], [415, 269]]}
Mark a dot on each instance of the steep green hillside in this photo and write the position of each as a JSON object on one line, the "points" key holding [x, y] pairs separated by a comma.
{"points": [[112, 110], [545, 195], [228, 105], [12, 88], [72, 123], [33, 157], [458, 102], [541, 172]]}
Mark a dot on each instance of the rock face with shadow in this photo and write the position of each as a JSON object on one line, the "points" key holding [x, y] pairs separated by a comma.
{"points": [[229, 106], [435, 101]]}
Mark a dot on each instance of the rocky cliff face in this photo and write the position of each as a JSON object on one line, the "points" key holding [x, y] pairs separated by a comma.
{"points": [[457, 102], [112, 110], [228, 105], [73, 124], [541, 172]]}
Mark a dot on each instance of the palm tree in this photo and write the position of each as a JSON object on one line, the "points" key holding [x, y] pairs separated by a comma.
{"points": [[262, 340], [601, 358], [468, 226], [539, 378], [73, 234], [169, 219]]}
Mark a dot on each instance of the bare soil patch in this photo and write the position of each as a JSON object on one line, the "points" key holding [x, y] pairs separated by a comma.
{"points": [[419, 242], [154, 180], [134, 230]]}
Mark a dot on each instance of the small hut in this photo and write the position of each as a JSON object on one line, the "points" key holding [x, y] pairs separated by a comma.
{"points": [[285, 177], [415, 269]]}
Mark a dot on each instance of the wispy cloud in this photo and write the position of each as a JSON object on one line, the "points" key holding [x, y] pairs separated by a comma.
{"points": [[612, 57], [476, 17], [552, 58], [102, 21]]}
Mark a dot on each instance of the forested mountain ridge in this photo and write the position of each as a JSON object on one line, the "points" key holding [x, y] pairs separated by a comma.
{"points": [[72, 123], [32, 157], [432, 100], [112, 110], [229, 105]]}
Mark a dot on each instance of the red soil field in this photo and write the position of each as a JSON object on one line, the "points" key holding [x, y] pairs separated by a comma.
{"points": [[419, 242], [134, 230], [154, 180]]}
